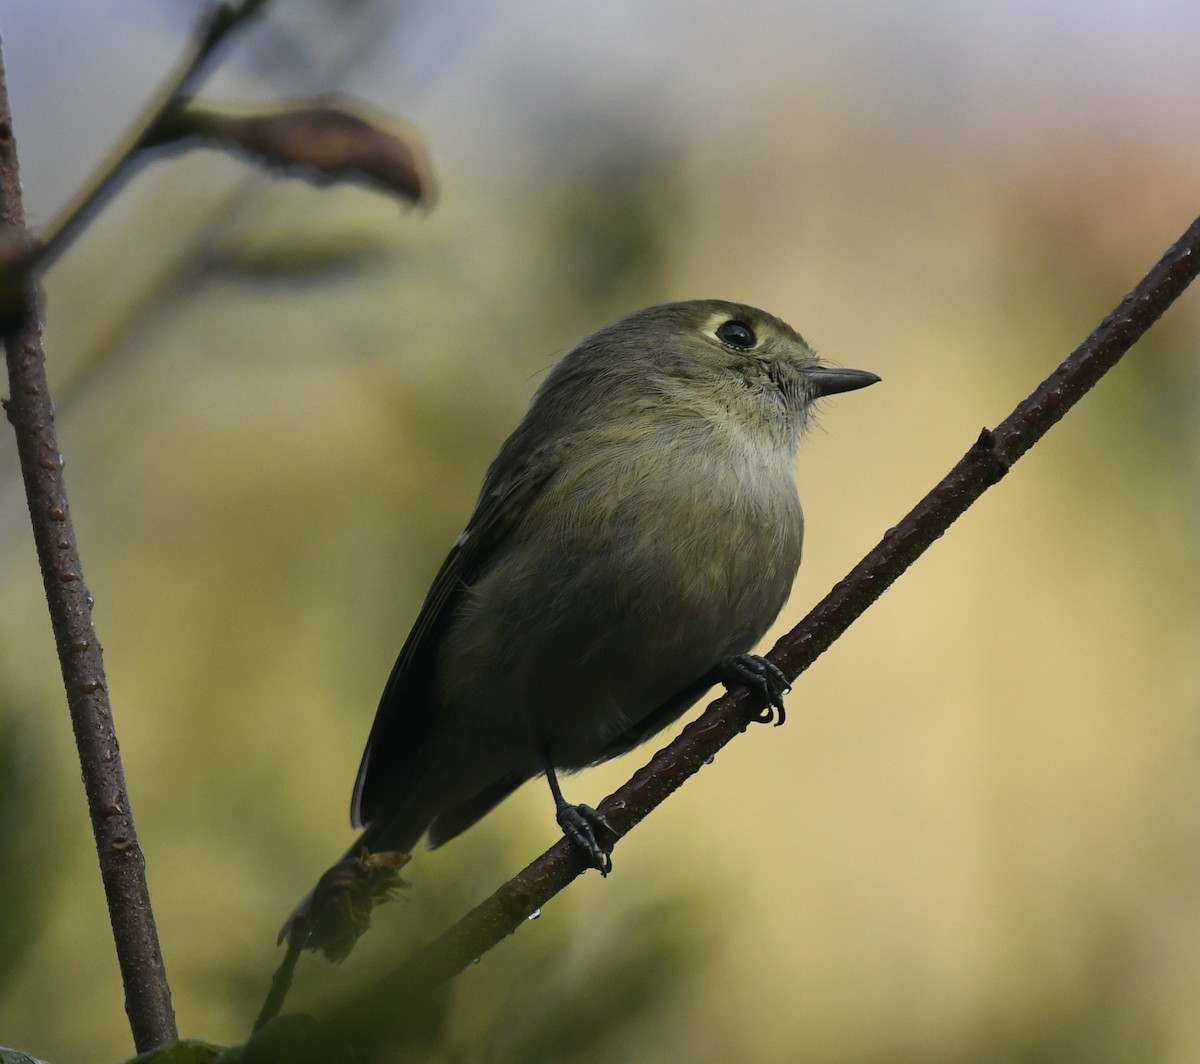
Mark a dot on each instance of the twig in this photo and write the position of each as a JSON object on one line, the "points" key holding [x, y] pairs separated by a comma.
{"points": [[215, 26], [991, 456], [281, 982], [122, 866], [987, 461]]}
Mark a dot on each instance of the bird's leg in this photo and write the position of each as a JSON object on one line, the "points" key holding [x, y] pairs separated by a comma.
{"points": [[762, 678], [580, 823]]}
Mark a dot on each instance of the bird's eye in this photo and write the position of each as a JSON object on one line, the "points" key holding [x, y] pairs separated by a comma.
{"points": [[737, 334]]}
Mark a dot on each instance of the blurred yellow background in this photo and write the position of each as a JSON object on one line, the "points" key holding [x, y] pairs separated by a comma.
{"points": [[975, 839]]}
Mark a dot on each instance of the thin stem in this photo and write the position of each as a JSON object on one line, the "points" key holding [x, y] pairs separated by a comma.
{"points": [[215, 26], [281, 981], [985, 463], [122, 866]]}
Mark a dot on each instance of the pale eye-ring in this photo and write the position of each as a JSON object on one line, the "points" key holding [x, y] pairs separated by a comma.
{"points": [[737, 334]]}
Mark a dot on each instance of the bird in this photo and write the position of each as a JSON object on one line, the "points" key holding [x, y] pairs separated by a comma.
{"points": [[632, 541]]}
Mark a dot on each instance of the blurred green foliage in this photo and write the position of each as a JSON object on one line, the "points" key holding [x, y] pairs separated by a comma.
{"points": [[27, 884]]}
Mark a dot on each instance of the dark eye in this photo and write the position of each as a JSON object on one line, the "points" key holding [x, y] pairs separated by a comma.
{"points": [[737, 334]]}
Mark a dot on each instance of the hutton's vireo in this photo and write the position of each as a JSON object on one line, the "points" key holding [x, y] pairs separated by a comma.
{"points": [[634, 538]]}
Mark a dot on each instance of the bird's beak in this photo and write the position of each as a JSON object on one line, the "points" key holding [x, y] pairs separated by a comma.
{"points": [[828, 380]]}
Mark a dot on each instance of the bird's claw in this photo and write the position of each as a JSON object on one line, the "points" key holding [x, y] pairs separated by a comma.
{"points": [[762, 678], [580, 824]]}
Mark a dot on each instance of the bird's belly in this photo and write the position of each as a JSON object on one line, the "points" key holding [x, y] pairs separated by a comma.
{"points": [[573, 656]]}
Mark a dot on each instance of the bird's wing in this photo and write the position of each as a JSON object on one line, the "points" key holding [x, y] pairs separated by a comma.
{"points": [[406, 706]]}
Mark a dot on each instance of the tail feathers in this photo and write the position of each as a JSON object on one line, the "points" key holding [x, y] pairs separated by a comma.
{"points": [[403, 830], [374, 839]]}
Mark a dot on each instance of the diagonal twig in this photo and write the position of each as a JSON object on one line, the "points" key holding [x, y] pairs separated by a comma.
{"points": [[214, 28], [985, 463]]}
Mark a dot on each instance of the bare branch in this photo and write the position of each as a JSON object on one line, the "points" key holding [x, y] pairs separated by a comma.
{"points": [[991, 456], [122, 866]]}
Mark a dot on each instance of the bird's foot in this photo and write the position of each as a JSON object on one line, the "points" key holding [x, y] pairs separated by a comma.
{"points": [[763, 679], [581, 824]]}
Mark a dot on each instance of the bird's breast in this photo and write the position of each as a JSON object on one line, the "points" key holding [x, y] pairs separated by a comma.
{"points": [[630, 578]]}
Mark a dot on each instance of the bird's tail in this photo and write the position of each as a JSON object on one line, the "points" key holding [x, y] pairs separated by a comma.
{"points": [[363, 876]]}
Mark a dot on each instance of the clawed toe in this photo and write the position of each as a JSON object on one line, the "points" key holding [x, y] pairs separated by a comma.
{"points": [[762, 678], [581, 824]]}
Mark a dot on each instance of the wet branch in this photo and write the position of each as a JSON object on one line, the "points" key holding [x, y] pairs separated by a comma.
{"points": [[991, 456]]}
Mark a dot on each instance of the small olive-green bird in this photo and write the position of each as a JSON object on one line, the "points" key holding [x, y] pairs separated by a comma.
{"points": [[634, 538]]}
